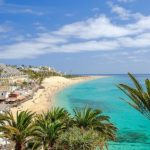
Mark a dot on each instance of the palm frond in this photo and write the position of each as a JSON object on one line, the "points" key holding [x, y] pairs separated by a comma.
{"points": [[140, 99]]}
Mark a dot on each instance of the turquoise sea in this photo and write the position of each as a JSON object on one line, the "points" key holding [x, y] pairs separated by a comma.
{"points": [[133, 128]]}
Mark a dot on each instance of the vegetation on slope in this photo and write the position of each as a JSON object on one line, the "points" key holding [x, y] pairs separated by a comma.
{"points": [[39, 76]]}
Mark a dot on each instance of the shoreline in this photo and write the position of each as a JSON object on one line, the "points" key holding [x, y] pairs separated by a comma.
{"points": [[43, 99]]}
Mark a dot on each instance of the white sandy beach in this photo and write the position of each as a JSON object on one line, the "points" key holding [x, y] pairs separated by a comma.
{"points": [[44, 98]]}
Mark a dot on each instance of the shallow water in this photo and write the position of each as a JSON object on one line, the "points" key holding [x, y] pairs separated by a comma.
{"points": [[133, 128]]}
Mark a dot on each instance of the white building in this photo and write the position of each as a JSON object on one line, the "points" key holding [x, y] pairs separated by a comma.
{"points": [[4, 92]]}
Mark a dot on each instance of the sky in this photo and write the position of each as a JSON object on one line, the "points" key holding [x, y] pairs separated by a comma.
{"points": [[77, 36]]}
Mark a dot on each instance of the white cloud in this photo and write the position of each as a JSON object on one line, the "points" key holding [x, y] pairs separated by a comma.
{"points": [[135, 42], [46, 44], [50, 39], [22, 50], [88, 46], [94, 34], [143, 24], [123, 13], [102, 27], [93, 28]]}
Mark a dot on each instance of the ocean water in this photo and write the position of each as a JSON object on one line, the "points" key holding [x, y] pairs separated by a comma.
{"points": [[133, 128]]}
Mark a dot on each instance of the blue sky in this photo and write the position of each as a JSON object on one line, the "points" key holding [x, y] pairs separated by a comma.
{"points": [[77, 36]]}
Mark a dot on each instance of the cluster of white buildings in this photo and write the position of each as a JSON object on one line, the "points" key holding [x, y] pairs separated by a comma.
{"points": [[11, 80], [8, 76]]}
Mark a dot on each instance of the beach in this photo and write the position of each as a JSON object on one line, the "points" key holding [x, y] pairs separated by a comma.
{"points": [[43, 99]]}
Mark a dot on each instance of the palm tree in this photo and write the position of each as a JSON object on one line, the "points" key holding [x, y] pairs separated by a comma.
{"points": [[49, 126], [88, 118], [47, 131], [19, 129], [140, 98], [56, 114], [61, 115]]}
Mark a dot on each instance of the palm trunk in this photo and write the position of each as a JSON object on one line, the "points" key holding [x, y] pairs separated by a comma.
{"points": [[18, 146]]}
